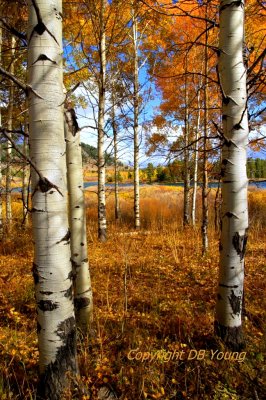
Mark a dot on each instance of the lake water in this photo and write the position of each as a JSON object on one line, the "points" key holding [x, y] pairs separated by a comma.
{"points": [[259, 185]]}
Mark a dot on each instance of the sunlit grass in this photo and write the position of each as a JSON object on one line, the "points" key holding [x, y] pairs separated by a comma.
{"points": [[153, 291]]}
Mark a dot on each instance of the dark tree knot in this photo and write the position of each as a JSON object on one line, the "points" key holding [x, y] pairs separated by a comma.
{"points": [[240, 244], [235, 303], [47, 305]]}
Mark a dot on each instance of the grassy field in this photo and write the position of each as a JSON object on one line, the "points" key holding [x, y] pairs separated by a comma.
{"points": [[154, 301]]}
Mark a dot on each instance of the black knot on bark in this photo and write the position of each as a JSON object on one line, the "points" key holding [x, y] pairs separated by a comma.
{"points": [[235, 302], [81, 302], [240, 244], [47, 305], [45, 185]]}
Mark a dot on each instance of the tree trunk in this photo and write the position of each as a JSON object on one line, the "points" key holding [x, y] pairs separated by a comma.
{"points": [[114, 125], [228, 323], [196, 161], [25, 178], [9, 147], [102, 234], [52, 270], [205, 190], [186, 211], [136, 120], [1, 176], [78, 238]]}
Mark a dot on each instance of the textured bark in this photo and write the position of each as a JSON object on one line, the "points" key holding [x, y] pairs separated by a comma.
{"points": [[232, 72], [78, 238], [52, 270], [136, 120], [102, 228]]}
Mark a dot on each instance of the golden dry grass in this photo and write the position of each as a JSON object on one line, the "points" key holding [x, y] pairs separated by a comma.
{"points": [[153, 291]]}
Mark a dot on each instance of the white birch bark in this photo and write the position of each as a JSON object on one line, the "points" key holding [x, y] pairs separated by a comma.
{"points": [[196, 159], [52, 270], [102, 226], [195, 172], [114, 125], [136, 120], [232, 72], [78, 238]]}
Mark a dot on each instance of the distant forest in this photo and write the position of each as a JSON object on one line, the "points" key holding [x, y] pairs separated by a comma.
{"points": [[256, 168]]}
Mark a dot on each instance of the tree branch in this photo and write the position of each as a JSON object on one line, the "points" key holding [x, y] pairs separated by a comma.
{"points": [[10, 76], [44, 184], [14, 31]]}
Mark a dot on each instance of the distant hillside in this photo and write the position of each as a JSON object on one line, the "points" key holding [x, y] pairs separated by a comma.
{"points": [[89, 155]]}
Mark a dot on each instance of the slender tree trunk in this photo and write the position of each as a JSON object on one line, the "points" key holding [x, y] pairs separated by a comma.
{"points": [[9, 147], [186, 211], [78, 238], [196, 161], [205, 190], [25, 179], [218, 203], [228, 323], [1, 176], [117, 209], [217, 208], [136, 120], [52, 270], [102, 234]]}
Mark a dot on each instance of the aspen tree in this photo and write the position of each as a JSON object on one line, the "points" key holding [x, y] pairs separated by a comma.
{"points": [[9, 127], [1, 203], [102, 234], [25, 177], [78, 237], [205, 190], [114, 126], [186, 213], [52, 270], [136, 116], [196, 162], [232, 71]]}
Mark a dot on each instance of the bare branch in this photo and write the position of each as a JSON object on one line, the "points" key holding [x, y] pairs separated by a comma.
{"points": [[10, 76]]}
